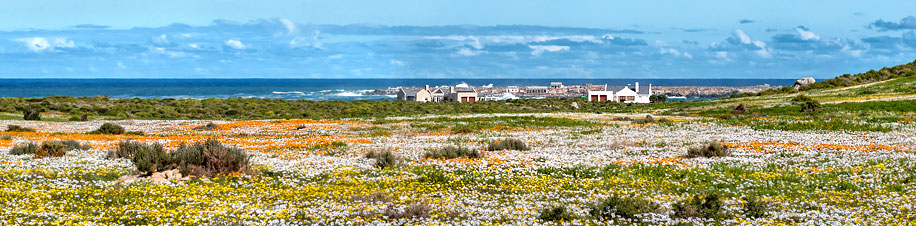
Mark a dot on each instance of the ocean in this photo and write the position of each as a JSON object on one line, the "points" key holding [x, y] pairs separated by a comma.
{"points": [[297, 89]]}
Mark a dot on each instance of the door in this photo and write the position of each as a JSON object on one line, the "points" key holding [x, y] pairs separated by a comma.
{"points": [[603, 98], [472, 99], [464, 99], [594, 98]]}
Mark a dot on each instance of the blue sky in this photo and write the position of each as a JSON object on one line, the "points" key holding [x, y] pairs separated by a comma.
{"points": [[452, 39]]}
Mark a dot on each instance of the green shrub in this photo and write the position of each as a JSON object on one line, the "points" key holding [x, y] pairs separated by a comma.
{"points": [[622, 207], [17, 128], [135, 133], [706, 206], [74, 118], [755, 208], [210, 157], [109, 128], [24, 149], [209, 126], [51, 149], [507, 144], [800, 99], [811, 106], [74, 145], [147, 158], [126, 149], [713, 149], [32, 114], [739, 110], [555, 213], [647, 119], [384, 159], [6, 137], [450, 152]]}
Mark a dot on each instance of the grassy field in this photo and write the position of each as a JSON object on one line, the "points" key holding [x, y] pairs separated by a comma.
{"points": [[579, 168], [841, 154]]}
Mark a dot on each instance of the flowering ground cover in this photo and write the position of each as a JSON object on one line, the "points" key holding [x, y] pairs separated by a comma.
{"points": [[578, 169]]}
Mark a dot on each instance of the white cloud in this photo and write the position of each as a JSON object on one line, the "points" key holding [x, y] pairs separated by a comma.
{"points": [[469, 52], [36, 44], [537, 50], [236, 44], [161, 39], [743, 37], [722, 55], [675, 52], [306, 41], [193, 46], [335, 56], [763, 51], [63, 43], [121, 65], [290, 26], [806, 34], [396, 62]]}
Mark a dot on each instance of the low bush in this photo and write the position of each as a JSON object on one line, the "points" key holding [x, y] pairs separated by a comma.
{"points": [[51, 149], [6, 137], [126, 149], [811, 106], [555, 213], [713, 149], [450, 152], [210, 157], [647, 119], [17, 128], [800, 99], [24, 149], [706, 206], [414, 210], [384, 159], [622, 207], [109, 128], [148, 158], [31, 114], [507, 144], [739, 110], [755, 208], [74, 145], [209, 126]]}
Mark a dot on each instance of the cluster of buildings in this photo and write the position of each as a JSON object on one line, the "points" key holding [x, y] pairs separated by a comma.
{"points": [[447, 94], [614, 93]]}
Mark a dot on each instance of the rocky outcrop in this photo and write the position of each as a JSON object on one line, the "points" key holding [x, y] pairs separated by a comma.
{"points": [[803, 82]]}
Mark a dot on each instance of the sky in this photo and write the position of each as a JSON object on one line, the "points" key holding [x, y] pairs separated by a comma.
{"points": [[452, 39]]}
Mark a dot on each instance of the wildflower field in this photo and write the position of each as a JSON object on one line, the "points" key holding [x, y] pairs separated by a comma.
{"points": [[472, 169]]}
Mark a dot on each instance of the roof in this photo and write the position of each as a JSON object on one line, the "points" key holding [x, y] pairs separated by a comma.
{"points": [[556, 83], [411, 91], [465, 90], [643, 90], [536, 87]]}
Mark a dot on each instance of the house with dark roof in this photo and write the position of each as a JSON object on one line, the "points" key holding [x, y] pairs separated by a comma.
{"points": [[414, 94]]}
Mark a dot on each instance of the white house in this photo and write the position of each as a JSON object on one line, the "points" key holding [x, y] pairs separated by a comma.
{"points": [[621, 93], [512, 89]]}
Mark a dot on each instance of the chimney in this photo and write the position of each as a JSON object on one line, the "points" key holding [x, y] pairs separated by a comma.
{"points": [[637, 87], [650, 88], [451, 89], [427, 87]]}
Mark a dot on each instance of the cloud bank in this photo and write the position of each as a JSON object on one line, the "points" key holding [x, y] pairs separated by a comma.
{"points": [[281, 48]]}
